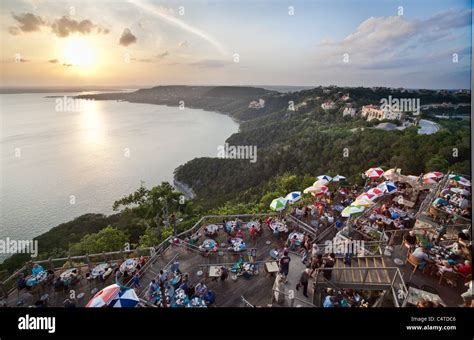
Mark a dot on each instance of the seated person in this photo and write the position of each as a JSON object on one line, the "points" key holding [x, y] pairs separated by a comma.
{"points": [[239, 234], [456, 248], [21, 282], [444, 266], [423, 239], [464, 235], [410, 240], [59, 284], [422, 256], [252, 231], [201, 290], [465, 269]]}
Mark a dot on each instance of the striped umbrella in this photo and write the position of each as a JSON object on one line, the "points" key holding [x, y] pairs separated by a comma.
{"points": [[126, 299], [325, 177], [363, 201], [374, 173], [429, 181], [320, 191], [460, 180], [293, 197], [390, 174], [278, 204], [367, 195], [339, 178], [433, 175], [310, 189], [320, 183], [387, 187], [104, 297], [352, 210], [463, 192], [375, 191]]}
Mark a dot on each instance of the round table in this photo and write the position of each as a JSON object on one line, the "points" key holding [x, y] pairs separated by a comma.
{"points": [[230, 226], [212, 228], [99, 270], [238, 244], [278, 226], [254, 224], [66, 275], [209, 244], [129, 266], [299, 237]]}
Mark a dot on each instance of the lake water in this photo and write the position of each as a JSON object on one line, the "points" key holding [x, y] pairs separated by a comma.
{"points": [[96, 155]]}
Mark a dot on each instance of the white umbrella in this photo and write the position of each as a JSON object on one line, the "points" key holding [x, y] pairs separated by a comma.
{"points": [[293, 197], [338, 178]]}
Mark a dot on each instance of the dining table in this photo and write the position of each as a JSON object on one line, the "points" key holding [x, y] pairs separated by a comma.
{"points": [[278, 226], [129, 266], [66, 275], [415, 295], [254, 224], [99, 270]]}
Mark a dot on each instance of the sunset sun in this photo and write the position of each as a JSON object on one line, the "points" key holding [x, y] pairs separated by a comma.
{"points": [[79, 52]]}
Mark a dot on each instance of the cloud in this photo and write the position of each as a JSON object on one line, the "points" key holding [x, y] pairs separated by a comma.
{"points": [[65, 26], [53, 61], [183, 44], [162, 55], [28, 22], [393, 42], [211, 63], [127, 38], [61, 27]]}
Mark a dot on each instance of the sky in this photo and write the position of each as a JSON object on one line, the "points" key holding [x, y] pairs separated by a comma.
{"points": [[412, 44]]}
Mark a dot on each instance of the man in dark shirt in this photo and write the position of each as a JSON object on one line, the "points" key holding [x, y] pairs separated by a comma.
{"points": [[285, 264], [464, 235], [410, 239]]}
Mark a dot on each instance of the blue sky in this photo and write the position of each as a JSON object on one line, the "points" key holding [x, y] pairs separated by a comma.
{"points": [[413, 50]]}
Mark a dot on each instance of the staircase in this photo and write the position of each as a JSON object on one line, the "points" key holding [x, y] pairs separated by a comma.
{"points": [[366, 272]]}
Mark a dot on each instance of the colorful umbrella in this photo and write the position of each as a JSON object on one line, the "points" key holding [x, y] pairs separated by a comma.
{"points": [[374, 173], [104, 297], [390, 174], [433, 175], [126, 299], [456, 177], [441, 201], [320, 190], [338, 178], [325, 177], [310, 189], [387, 187], [375, 191], [429, 181], [293, 197], [278, 204], [363, 201], [463, 192], [367, 195], [352, 210], [320, 183]]}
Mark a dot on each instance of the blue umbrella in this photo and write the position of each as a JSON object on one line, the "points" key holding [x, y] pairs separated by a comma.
{"points": [[325, 177], [126, 299], [293, 197]]}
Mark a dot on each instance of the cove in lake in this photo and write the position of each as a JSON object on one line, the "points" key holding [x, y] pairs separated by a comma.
{"points": [[56, 166]]}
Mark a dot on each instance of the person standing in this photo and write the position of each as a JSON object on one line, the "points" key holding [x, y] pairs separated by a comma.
{"points": [[329, 263], [284, 264], [304, 280]]}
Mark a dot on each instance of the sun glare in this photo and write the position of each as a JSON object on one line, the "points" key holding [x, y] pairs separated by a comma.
{"points": [[79, 52]]}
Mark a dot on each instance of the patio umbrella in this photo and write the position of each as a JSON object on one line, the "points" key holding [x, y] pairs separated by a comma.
{"points": [[352, 210], [433, 175], [293, 197], [325, 177], [390, 173], [339, 178], [374, 173], [126, 299], [320, 183], [441, 201], [367, 195], [456, 177], [363, 201], [375, 191], [387, 187], [310, 189], [104, 297], [463, 192], [320, 190], [278, 204], [429, 181]]}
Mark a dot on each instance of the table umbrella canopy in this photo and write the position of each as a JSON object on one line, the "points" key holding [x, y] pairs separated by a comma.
{"points": [[320, 183], [433, 175], [367, 195], [339, 178], [310, 189], [429, 181], [363, 201], [375, 191], [325, 178], [387, 187], [127, 298], [278, 204], [374, 173], [104, 297], [293, 197], [441, 201], [352, 210], [320, 191], [461, 191], [461, 180], [390, 173]]}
